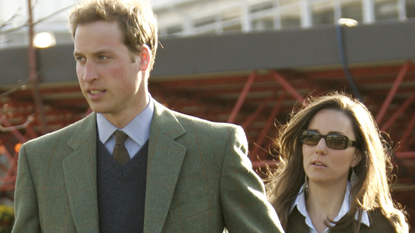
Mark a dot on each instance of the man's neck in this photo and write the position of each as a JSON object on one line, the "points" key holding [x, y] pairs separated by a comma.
{"points": [[121, 119]]}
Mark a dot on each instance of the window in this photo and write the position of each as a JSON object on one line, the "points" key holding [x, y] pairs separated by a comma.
{"points": [[352, 10], [386, 9]]}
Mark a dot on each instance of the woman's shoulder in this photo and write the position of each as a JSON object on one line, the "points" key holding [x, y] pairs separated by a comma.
{"points": [[296, 222], [378, 223]]}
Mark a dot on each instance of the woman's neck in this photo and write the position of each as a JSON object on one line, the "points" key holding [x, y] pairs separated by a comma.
{"points": [[324, 202]]}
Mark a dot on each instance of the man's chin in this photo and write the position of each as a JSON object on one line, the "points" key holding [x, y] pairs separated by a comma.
{"points": [[97, 109]]}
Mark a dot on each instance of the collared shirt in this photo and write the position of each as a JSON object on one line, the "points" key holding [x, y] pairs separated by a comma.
{"points": [[301, 206], [138, 130]]}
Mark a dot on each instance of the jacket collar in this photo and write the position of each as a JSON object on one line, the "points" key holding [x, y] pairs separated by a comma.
{"points": [[301, 206], [165, 158], [80, 176]]}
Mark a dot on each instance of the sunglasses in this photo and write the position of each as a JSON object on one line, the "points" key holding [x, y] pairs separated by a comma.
{"points": [[334, 141]]}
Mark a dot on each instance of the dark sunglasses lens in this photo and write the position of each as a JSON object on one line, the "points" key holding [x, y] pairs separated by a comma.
{"points": [[336, 141], [310, 137]]}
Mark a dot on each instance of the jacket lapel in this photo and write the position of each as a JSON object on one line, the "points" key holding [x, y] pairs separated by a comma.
{"points": [[80, 176], [165, 157]]}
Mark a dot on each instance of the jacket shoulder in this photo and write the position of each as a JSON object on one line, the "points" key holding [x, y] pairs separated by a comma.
{"points": [[63, 133], [296, 222], [186, 120], [378, 223]]}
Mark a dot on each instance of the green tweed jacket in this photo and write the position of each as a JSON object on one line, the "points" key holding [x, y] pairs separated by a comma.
{"points": [[199, 179]]}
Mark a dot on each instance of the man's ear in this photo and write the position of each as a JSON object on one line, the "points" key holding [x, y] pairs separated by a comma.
{"points": [[357, 157], [145, 57]]}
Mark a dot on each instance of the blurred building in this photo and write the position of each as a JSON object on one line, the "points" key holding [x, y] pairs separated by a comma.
{"points": [[195, 17]]}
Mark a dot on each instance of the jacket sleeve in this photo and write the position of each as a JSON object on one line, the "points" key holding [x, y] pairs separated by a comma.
{"points": [[25, 203], [244, 204]]}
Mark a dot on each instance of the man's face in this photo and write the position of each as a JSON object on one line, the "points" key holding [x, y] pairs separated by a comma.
{"points": [[110, 76]]}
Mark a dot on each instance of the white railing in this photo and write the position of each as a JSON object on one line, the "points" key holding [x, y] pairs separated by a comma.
{"points": [[276, 14], [191, 17]]}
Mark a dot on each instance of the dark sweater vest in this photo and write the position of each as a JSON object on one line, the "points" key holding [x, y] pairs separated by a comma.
{"points": [[121, 191]]}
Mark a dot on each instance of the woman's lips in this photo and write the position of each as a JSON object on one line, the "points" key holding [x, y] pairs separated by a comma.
{"points": [[318, 164]]}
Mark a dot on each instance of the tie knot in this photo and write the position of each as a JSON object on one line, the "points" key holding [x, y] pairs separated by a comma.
{"points": [[120, 153], [120, 137]]}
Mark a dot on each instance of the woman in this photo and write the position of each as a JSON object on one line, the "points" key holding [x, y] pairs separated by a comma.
{"points": [[333, 176]]}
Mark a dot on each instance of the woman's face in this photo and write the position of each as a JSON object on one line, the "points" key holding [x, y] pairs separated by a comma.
{"points": [[324, 165]]}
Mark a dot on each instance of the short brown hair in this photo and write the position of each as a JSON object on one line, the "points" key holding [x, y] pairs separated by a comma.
{"points": [[136, 19]]}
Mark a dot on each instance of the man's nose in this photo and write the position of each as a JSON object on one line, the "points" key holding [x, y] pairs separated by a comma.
{"points": [[90, 72]]}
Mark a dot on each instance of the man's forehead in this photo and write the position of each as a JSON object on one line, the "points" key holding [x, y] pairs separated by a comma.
{"points": [[97, 33], [97, 51]]}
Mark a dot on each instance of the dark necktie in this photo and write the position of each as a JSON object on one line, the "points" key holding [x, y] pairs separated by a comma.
{"points": [[120, 152]]}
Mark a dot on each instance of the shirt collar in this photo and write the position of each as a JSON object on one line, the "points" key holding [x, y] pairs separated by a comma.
{"points": [[301, 206], [138, 129]]}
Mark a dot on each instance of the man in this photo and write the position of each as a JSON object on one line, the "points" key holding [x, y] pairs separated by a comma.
{"points": [[173, 173]]}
